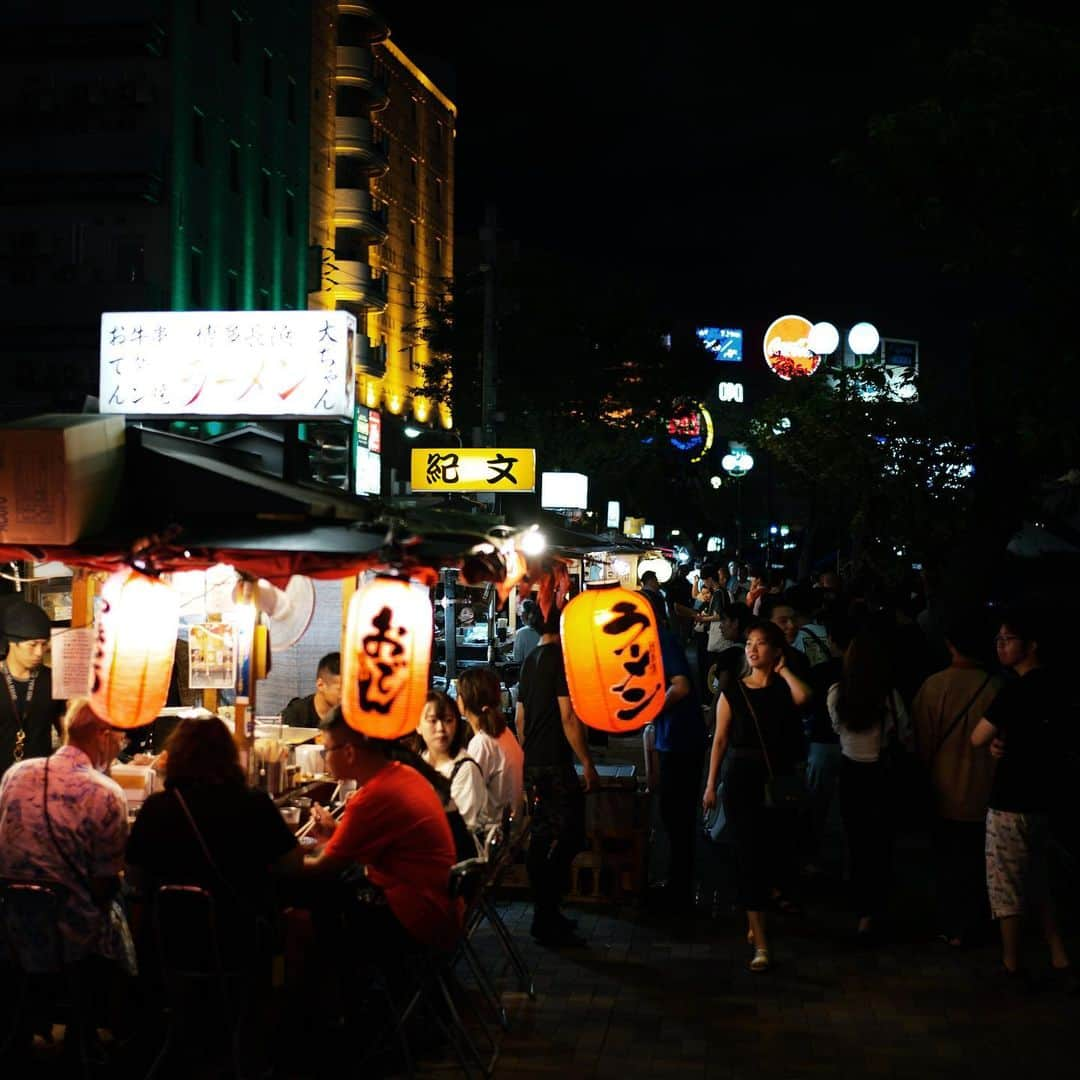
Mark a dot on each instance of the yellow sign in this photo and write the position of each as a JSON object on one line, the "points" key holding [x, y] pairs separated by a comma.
{"points": [[473, 469]]}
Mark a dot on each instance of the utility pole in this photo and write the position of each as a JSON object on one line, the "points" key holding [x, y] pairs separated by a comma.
{"points": [[489, 356]]}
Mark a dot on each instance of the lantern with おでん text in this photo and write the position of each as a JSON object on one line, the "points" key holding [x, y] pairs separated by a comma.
{"points": [[385, 658], [134, 646], [614, 666]]}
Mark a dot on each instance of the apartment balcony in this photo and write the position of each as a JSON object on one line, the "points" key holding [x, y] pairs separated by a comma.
{"points": [[358, 21], [356, 283], [352, 210], [370, 359], [356, 69], [354, 136]]}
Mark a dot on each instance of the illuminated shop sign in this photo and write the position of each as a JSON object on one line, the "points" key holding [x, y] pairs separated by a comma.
{"points": [[473, 469], [730, 392], [690, 429], [368, 451], [724, 344], [787, 349], [564, 491], [295, 364]]}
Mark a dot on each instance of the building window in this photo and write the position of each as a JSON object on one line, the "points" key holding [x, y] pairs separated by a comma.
{"points": [[438, 250], [415, 110], [413, 171], [237, 30], [264, 299], [232, 290], [234, 165], [290, 98], [197, 278], [264, 190], [290, 213], [438, 191], [351, 102], [412, 294], [268, 73], [349, 173], [198, 137], [351, 33], [440, 132], [412, 233], [410, 358]]}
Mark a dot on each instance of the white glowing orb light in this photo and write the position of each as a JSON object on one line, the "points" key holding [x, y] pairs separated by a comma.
{"points": [[737, 464], [863, 339], [660, 567], [533, 542], [823, 339], [716, 482]]}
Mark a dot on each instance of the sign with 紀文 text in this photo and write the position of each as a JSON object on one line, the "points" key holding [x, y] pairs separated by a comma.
{"points": [[473, 469], [228, 363]]}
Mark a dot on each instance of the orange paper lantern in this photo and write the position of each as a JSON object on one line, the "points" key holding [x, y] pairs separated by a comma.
{"points": [[134, 646], [385, 658], [614, 666]]}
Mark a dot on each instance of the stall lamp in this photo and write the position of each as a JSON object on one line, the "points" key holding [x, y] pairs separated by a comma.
{"points": [[411, 432], [716, 482], [533, 542]]}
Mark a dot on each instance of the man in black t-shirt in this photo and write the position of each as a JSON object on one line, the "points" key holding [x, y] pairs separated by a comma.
{"points": [[1023, 725], [28, 713], [309, 711], [551, 736]]}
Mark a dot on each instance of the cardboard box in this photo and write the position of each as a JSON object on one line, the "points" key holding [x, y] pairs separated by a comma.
{"points": [[59, 475]]}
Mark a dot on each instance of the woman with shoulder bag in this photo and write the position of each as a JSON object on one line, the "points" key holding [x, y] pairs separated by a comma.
{"points": [[758, 742], [868, 714]]}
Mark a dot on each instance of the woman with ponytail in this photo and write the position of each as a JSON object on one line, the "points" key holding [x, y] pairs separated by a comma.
{"points": [[493, 745]]}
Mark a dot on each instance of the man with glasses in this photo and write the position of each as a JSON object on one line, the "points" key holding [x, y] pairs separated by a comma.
{"points": [[395, 828], [28, 713]]}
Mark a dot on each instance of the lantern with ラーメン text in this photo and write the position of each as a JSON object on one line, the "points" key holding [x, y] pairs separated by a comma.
{"points": [[385, 657], [134, 646], [614, 666]]}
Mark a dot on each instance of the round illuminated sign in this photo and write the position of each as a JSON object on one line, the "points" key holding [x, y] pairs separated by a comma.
{"points": [[787, 348], [690, 429]]}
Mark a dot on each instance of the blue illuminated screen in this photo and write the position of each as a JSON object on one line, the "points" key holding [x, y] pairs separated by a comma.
{"points": [[725, 345]]}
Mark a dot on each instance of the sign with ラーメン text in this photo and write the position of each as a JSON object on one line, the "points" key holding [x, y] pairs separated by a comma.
{"points": [[473, 469], [228, 363]]}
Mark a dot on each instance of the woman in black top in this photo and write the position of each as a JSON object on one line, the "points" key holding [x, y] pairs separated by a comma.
{"points": [[757, 716]]}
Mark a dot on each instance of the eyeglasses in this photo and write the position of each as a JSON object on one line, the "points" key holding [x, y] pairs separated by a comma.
{"points": [[331, 749], [1004, 639]]}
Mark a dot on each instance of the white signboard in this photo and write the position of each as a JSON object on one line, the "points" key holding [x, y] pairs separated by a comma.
{"points": [[71, 650], [613, 515], [564, 491], [228, 363], [731, 391]]}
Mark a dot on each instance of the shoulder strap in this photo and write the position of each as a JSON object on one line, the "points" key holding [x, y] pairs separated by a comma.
{"points": [[462, 761], [956, 720], [757, 727]]}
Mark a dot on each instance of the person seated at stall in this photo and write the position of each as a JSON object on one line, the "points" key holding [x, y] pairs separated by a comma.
{"points": [[441, 736], [63, 824], [492, 746], [208, 828], [308, 712], [395, 828], [28, 713]]}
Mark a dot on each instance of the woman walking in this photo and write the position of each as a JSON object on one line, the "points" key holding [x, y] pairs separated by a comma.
{"points": [[867, 712], [758, 740]]}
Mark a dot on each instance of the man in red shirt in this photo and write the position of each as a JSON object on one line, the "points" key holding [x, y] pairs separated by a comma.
{"points": [[395, 828]]}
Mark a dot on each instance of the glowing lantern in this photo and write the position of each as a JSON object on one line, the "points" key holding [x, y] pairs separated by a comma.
{"points": [[385, 658], [134, 646], [614, 668]]}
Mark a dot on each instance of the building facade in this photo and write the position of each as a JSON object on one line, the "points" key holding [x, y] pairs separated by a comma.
{"points": [[382, 196], [156, 158]]}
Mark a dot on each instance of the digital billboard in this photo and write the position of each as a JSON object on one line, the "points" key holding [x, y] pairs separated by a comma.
{"points": [[724, 344]]}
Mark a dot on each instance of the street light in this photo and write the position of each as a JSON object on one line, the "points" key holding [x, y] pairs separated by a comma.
{"points": [[823, 339], [863, 339], [737, 464]]}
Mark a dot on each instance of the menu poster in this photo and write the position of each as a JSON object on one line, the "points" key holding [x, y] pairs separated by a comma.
{"points": [[71, 652], [212, 656]]}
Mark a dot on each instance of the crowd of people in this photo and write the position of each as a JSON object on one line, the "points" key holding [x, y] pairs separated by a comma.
{"points": [[957, 730]]}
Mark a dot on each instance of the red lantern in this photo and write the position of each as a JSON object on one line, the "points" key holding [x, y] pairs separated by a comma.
{"points": [[385, 658], [614, 666], [134, 646]]}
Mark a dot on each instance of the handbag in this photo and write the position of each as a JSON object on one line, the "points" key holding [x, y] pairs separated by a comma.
{"points": [[787, 792], [716, 819]]}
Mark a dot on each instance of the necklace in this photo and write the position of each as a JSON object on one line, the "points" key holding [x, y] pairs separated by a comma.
{"points": [[20, 728]]}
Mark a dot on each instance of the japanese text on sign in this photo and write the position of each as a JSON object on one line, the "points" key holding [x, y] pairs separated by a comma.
{"points": [[470, 469], [228, 363], [642, 683]]}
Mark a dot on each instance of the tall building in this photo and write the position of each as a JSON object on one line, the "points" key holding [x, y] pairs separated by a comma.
{"points": [[382, 197], [156, 156]]}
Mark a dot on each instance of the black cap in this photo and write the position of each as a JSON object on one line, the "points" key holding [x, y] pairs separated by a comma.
{"points": [[23, 621]]}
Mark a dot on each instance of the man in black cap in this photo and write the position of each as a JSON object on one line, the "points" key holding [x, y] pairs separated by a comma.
{"points": [[27, 711]]}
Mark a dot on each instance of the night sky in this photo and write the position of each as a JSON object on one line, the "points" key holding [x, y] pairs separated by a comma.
{"points": [[692, 146]]}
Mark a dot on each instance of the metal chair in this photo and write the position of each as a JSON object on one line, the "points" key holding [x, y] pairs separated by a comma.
{"points": [[30, 922], [189, 950]]}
